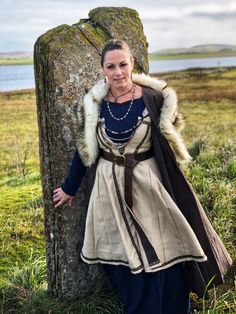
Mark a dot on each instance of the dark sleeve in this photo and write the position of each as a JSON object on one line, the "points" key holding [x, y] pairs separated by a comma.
{"points": [[76, 174]]}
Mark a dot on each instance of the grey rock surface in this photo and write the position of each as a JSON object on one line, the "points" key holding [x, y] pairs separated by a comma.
{"points": [[67, 63]]}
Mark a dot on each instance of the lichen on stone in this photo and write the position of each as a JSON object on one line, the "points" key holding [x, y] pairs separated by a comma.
{"points": [[67, 64]]}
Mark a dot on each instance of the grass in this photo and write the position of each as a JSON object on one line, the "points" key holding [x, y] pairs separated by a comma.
{"points": [[21, 219], [16, 61], [207, 100], [25, 292], [210, 115]]}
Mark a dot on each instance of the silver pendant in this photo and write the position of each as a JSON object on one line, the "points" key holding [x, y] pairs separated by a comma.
{"points": [[121, 150]]}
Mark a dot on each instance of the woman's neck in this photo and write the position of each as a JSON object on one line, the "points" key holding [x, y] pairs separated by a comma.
{"points": [[124, 96], [136, 94], [119, 92]]}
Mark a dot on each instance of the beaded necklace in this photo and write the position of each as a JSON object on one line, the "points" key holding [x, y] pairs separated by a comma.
{"points": [[125, 131], [130, 106]]}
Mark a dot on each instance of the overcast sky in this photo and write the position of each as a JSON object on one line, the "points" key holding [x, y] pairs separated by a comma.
{"points": [[167, 24]]}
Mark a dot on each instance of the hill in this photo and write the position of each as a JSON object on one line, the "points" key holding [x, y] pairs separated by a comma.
{"points": [[199, 51], [16, 54], [16, 57]]}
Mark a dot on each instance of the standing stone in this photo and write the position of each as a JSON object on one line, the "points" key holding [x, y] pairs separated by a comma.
{"points": [[67, 63]]}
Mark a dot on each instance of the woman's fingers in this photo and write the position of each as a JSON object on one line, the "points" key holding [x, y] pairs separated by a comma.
{"points": [[56, 198], [70, 201], [57, 190], [60, 197], [58, 204]]}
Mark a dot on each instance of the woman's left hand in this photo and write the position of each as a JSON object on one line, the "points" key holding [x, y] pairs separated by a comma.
{"points": [[60, 197]]}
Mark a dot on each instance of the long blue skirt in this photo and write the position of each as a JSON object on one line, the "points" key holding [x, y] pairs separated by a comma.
{"points": [[162, 292]]}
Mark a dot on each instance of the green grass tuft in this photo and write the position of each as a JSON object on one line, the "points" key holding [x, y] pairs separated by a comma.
{"points": [[207, 101], [24, 291]]}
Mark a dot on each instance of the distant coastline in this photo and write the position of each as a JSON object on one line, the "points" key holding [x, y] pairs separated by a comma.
{"points": [[16, 61], [202, 51], [195, 52], [151, 57], [16, 58]]}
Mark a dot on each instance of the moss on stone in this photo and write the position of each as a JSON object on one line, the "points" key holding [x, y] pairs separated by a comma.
{"points": [[106, 12], [95, 35], [103, 23], [124, 23], [61, 37]]}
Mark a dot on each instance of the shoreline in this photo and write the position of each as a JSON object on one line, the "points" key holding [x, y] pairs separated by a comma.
{"points": [[196, 71], [151, 57], [17, 92]]}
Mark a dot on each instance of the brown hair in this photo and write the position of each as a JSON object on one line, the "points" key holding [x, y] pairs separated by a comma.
{"points": [[114, 44]]}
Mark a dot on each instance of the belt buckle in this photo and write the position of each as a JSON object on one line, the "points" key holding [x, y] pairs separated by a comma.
{"points": [[120, 160]]}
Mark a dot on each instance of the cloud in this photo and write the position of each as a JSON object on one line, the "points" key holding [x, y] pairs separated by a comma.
{"points": [[214, 11], [216, 16], [166, 23], [190, 33], [180, 12], [186, 26]]}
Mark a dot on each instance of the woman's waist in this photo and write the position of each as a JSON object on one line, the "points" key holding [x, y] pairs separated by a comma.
{"points": [[127, 159]]}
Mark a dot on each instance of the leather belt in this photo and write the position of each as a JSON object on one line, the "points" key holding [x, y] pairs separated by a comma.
{"points": [[129, 161]]}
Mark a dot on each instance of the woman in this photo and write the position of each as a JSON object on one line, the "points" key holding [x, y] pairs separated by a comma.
{"points": [[144, 222]]}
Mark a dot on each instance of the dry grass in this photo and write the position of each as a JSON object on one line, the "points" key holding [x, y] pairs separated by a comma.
{"points": [[207, 100]]}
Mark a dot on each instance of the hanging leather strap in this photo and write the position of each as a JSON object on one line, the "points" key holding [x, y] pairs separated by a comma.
{"points": [[129, 161]]}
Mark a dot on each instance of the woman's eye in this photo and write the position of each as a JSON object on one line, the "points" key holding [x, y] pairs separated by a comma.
{"points": [[110, 67], [123, 64]]}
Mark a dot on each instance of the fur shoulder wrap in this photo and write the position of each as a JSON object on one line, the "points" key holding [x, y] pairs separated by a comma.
{"points": [[87, 115]]}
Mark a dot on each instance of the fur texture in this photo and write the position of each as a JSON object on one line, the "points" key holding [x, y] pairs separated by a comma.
{"points": [[86, 118]]}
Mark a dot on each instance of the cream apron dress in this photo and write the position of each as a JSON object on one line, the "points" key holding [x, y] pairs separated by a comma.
{"points": [[111, 233]]}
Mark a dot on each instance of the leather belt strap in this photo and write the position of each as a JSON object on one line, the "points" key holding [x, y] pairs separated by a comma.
{"points": [[129, 161]]}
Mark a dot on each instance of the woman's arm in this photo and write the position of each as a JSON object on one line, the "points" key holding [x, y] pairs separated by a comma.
{"points": [[76, 174], [65, 193]]}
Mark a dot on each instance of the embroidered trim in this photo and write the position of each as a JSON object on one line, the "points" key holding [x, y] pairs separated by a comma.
{"points": [[178, 259]]}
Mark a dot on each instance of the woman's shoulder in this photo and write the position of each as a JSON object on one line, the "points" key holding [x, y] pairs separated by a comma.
{"points": [[149, 91], [151, 82], [152, 86]]}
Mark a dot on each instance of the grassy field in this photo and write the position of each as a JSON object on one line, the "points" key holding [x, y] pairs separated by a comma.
{"points": [[15, 61], [208, 101]]}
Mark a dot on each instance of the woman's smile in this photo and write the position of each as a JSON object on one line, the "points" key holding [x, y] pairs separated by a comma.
{"points": [[119, 80]]}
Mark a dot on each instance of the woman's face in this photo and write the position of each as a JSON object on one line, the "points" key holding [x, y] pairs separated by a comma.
{"points": [[117, 67]]}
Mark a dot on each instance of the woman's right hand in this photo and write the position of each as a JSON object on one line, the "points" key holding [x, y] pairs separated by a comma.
{"points": [[60, 197]]}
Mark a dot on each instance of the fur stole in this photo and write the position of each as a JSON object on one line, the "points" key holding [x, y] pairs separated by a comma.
{"points": [[87, 115]]}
